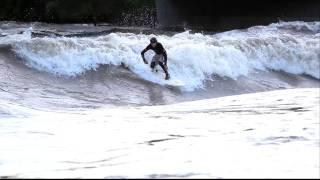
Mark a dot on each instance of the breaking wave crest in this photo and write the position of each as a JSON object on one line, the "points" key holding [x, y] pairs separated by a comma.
{"points": [[292, 47]]}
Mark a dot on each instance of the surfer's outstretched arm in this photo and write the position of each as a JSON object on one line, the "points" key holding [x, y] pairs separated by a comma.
{"points": [[165, 57], [142, 54], [164, 53]]}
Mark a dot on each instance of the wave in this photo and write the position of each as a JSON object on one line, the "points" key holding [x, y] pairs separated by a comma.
{"points": [[292, 47]]}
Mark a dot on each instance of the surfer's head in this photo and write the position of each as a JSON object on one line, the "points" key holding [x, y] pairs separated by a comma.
{"points": [[153, 41]]}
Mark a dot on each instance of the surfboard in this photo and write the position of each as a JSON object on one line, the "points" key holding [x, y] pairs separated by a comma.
{"points": [[170, 82], [174, 82]]}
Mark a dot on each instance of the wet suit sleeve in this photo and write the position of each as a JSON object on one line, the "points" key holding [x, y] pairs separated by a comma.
{"points": [[164, 52], [144, 51], [165, 56]]}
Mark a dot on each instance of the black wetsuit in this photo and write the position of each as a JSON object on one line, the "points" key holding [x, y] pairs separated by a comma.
{"points": [[158, 49]]}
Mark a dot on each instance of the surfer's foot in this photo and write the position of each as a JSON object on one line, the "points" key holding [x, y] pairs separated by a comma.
{"points": [[167, 76], [154, 70]]}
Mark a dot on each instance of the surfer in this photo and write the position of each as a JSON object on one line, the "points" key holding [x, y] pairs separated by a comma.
{"points": [[159, 58]]}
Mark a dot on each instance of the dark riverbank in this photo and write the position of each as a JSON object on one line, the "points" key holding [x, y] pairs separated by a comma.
{"points": [[208, 15], [120, 12], [222, 15]]}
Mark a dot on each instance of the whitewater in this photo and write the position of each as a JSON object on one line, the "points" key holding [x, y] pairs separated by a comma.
{"points": [[193, 57], [77, 101]]}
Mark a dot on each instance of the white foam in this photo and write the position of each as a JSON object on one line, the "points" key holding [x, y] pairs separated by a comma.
{"points": [[192, 57]]}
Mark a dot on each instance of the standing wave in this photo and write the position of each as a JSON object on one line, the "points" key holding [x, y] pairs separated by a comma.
{"points": [[292, 47]]}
